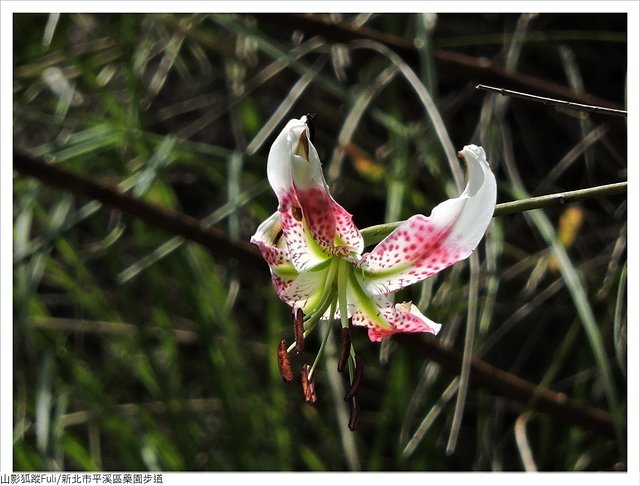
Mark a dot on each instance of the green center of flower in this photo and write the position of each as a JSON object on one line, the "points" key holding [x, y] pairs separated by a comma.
{"points": [[338, 288]]}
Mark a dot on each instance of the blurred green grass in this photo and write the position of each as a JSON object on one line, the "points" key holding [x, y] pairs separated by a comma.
{"points": [[135, 350]]}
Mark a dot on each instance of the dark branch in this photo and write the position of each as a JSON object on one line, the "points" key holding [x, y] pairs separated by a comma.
{"points": [[174, 222], [507, 385]]}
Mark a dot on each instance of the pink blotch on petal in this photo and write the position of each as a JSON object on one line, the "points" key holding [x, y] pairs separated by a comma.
{"points": [[281, 285], [417, 249], [403, 317], [328, 221]]}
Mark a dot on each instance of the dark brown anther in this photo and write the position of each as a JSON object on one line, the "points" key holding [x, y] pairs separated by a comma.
{"points": [[357, 378], [354, 414], [345, 348], [308, 386], [298, 330], [284, 363], [296, 212]]}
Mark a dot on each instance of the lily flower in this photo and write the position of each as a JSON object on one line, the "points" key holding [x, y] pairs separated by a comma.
{"points": [[315, 251]]}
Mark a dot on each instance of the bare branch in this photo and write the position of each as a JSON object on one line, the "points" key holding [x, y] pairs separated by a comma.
{"points": [[174, 222], [510, 386]]}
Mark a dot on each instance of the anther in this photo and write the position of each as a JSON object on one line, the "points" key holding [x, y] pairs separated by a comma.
{"points": [[296, 212], [345, 348], [284, 363], [298, 330], [357, 378], [308, 385], [354, 414]]}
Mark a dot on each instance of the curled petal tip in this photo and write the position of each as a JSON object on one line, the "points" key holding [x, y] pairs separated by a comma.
{"points": [[424, 245], [474, 150]]}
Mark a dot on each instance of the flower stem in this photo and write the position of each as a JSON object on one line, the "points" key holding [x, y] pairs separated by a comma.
{"points": [[343, 282], [311, 320], [375, 234], [327, 297]]}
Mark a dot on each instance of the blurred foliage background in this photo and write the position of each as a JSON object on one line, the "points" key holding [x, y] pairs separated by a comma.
{"points": [[136, 349]]}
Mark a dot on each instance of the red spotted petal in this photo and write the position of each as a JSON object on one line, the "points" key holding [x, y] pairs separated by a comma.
{"points": [[330, 224], [404, 317], [268, 238], [314, 225], [422, 246]]}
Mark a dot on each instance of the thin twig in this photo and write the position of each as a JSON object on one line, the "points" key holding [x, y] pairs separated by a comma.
{"points": [[555, 102], [375, 234], [567, 197]]}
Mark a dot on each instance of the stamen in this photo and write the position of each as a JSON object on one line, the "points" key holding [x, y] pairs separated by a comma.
{"points": [[298, 330], [284, 363], [357, 378], [345, 348], [308, 385], [354, 414]]}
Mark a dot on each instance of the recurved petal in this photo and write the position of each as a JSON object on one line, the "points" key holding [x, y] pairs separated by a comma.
{"points": [[295, 174], [403, 317], [307, 289], [268, 238], [279, 159], [298, 289], [422, 246], [412, 320], [293, 163], [372, 314]]}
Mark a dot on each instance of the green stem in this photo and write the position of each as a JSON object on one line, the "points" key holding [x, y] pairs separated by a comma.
{"points": [[375, 234], [328, 297], [343, 281], [311, 320]]}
